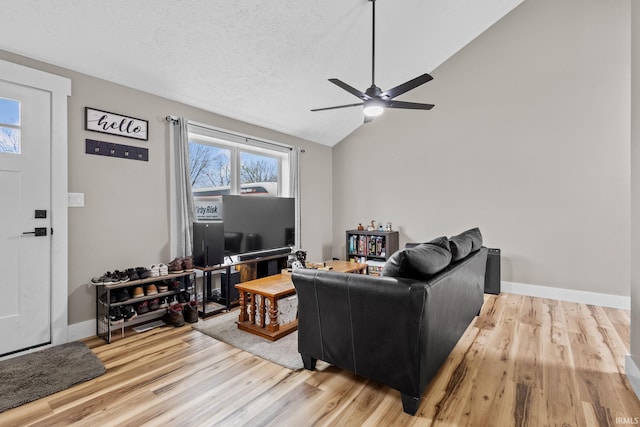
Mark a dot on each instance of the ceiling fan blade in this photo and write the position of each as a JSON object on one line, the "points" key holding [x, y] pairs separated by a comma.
{"points": [[409, 105], [407, 86], [350, 89], [339, 106]]}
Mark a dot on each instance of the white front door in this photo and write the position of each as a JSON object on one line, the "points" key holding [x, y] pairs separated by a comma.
{"points": [[25, 217]]}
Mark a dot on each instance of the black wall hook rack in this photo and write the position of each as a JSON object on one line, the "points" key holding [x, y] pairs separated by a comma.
{"points": [[111, 149]]}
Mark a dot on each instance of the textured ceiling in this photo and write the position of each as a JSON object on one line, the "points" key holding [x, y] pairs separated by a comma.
{"points": [[265, 63]]}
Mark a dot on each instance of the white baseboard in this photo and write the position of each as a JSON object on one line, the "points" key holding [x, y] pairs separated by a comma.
{"points": [[78, 331], [581, 297], [633, 373]]}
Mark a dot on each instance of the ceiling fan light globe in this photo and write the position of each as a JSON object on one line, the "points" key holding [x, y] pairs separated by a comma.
{"points": [[373, 110]]}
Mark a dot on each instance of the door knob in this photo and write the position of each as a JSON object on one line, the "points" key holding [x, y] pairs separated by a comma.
{"points": [[38, 231]]}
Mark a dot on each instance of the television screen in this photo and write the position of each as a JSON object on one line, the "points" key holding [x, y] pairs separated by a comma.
{"points": [[256, 223]]}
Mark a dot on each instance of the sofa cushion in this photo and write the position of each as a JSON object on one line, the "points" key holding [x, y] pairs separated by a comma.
{"points": [[439, 241], [418, 263], [476, 238], [460, 246]]}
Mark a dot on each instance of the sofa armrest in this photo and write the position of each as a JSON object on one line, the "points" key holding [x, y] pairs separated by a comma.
{"points": [[365, 324]]}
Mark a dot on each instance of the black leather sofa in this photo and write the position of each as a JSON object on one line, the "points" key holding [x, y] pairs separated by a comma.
{"points": [[399, 328]]}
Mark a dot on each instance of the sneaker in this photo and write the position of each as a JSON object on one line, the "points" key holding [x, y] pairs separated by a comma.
{"points": [[163, 287], [122, 295], [181, 298], [105, 279], [143, 273], [154, 304], [121, 276], [163, 303], [112, 298], [128, 312], [155, 270], [143, 307], [175, 266], [115, 314], [163, 269], [151, 290], [174, 316], [187, 263], [138, 292], [132, 273], [190, 312]]}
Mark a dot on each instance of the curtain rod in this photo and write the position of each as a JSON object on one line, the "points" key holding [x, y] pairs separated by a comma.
{"points": [[237, 135]]}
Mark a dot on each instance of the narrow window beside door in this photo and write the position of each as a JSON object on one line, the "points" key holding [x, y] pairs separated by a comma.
{"points": [[9, 126]]}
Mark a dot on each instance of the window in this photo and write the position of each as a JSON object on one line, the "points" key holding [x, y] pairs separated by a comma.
{"points": [[9, 126], [225, 163]]}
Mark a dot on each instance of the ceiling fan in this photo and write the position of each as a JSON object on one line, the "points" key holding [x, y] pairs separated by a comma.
{"points": [[374, 99]]}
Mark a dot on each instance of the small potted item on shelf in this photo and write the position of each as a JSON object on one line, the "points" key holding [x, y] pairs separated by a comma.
{"points": [[371, 226], [360, 227], [388, 227]]}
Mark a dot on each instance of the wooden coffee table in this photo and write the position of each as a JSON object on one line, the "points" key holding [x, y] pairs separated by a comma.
{"points": [[272, 289]]}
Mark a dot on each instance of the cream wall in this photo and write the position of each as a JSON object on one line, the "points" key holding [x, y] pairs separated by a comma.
{"points": [[635, 184], [125, 219], [529, 140]]}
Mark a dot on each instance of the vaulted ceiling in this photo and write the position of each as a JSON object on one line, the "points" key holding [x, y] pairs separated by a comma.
{"points": [[265, 63]]}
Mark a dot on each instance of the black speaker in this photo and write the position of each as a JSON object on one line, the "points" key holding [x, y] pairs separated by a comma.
{"points": [[492, 274], [228, 286], [208, 243]]}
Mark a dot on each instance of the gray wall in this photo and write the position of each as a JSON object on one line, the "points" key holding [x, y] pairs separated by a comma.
{"points": [[635, 183], [529, 140], [125, 220]]}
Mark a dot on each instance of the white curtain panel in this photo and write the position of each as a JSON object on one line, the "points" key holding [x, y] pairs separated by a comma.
{"points": [[180, 197]]}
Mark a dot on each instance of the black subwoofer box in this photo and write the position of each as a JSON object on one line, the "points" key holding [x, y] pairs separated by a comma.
{"points": [[228, 285], [492, 274]]}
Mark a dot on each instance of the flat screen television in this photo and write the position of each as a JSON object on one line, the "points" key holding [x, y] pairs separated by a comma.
{"points": [[257, 223]]}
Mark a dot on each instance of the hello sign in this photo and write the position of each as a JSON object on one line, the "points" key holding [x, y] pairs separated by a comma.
{"points": [[115, 124]]}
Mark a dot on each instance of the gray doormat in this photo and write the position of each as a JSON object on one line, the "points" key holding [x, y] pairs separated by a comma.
{"points": [[39, 374], [284, 351]]}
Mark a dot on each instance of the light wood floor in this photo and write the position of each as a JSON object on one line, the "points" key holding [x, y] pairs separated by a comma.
{"points": [[523, 362]]}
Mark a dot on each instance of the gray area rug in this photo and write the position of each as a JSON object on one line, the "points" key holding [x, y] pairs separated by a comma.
{"points": [[39, 374], [284, 351]]}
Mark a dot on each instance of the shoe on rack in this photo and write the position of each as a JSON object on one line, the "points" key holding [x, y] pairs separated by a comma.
{"points": [[143, 307], [112, 298], [154, 304], [175, 266], [180, 297], [122, 295], [187, 263], [115, 315], [105, 279], [176, 285], [155, 270], [163, 303], [174, 316], [190, 312], [138, 292], [143, 272], [163, 287], [151, 290], [163, 269], [132, 273], [121, 276], [128, 312]]}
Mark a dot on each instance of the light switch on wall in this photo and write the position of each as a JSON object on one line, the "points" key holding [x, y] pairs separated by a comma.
{"points": [[76, 200]]}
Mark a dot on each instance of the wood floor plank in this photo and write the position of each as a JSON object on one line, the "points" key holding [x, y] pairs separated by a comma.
{"points": [[523, 362]]}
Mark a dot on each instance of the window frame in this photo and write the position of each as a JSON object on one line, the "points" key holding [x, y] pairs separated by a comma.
{"points": [[238, 144]]}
